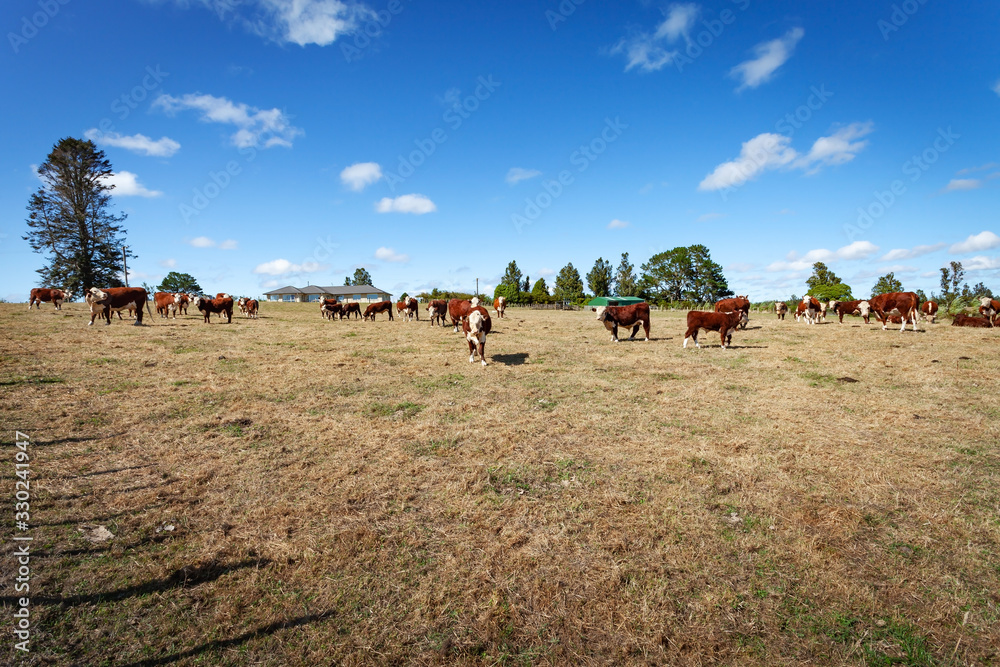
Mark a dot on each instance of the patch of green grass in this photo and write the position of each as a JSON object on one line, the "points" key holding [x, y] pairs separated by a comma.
{"points": [[883, 642], [450, 381], [118, 387], [819, 379], [404, 410], [182, 383], [38, 379], [184, 349], [102, 361], [432, 447]]}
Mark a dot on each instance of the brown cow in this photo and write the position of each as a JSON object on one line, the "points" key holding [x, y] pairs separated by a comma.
{"points": [[222, 305], [437, 310], [374, 309], [500, 305], [331, 308], [633, 316], [740, 303], [251, 308], [56, 296], [781, 308], [458, 310], [988, 307], [352, 307], [103, 301], [929, 309], [859, 307], [166, 304], [414, 307], [906, 303], [970, 321], [182, 303], [724, 323], [401, 308], [809, 308], [475, 327]]}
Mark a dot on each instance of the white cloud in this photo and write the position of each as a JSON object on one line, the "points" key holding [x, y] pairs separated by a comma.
{"points": [[963, 184], [644, 51], [416, 204], [517, 174], [360, 175], [976, 243], [205, 242], [769, 151], [228, 244], [126, 184], [137, 143], [168, 263], [769, 56], [618, 224], [390, 255], [982, 167], [981, 263], [854, 251], [255, 127], [918, 251], [280, 267]]}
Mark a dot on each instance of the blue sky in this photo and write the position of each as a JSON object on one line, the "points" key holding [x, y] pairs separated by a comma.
{"points": [[260, 143]]}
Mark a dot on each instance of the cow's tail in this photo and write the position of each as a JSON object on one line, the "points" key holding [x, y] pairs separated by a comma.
{"points": [[149, 311]]}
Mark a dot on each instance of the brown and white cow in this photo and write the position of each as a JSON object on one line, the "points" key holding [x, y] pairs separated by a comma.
{"points": [[724, 323], [331, 308], [40, 294], [166, 304], [251, 308], [500, 305], [374, 309], [905, 303], [781, 308], [740, 303], [437, 310], [475, 327], [929, 309], [858, 307], [809, 309], [182, 302], [458, 310], [104, 301], [401, 308], [352, 307], [223, 305], [989, 308], [414, 307], [241, 303], [633, 316], [971, 321]]}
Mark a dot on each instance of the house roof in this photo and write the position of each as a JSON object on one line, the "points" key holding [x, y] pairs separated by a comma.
{"points": [[334, 290], [284, 290]]}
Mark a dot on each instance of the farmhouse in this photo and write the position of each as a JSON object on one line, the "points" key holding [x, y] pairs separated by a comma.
{"points": [[345, 293]]}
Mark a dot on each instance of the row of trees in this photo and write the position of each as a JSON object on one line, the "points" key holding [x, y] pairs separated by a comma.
{"points": [[683, 274]]}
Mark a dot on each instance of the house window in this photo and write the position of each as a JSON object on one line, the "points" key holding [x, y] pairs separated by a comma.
{"points": [[374, 297], [313, 297], [288, 297], [357, 297]]}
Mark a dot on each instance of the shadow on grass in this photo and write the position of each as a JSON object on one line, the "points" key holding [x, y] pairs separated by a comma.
{"points": [[516, 359], [221, 644]]}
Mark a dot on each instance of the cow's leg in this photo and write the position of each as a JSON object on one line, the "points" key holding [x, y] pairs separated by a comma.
{"points": [[472, 352], [645, 328], [614, 333], [635, 330]]}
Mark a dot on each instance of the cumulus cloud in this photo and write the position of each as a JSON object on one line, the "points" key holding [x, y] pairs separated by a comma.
{"points": [[205, 242], [517, 174], [647, 51], [255, 127], [618, 224], [390, 255], [976, 243], [897, 254], [768, 57], [770, 151], [137, 143], [416, 204], [126, 184], [981, 263], [854, 251], [281, 267], [963, 184], [360, 175]]}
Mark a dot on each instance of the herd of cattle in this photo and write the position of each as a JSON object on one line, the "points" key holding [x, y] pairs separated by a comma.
{"points": [[475, 322]]}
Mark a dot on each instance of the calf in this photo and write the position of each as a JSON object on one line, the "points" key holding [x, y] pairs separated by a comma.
{"points": [[724, 323], [862, 308], [222, 305], [633, 316], [437, 310], [929, 309], [352, 307], [781, 308], [810, 309], [970, 321], [740, 303], [414, 307], [458, 310], [56, 296], [905, 303], [182, 303], [251, 308], [374, 309], [103, 301], [331, 308], [166, 304], [500, 305], [988, 307], [475, 327]]}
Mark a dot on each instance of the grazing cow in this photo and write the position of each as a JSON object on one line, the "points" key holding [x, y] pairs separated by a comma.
{"points": [[633, 316], [860, 307], [475, 327], [740, 303], [103, 301], [56, 296], [781, 308], [724, 323], [988, 307], [458, 310], [166, 304], [252, 306], [970, 321], [905, 303], [929, 309], [374, 309], [500, 305], [437, 310], [353, 307], [331, 308], [222, 305]]}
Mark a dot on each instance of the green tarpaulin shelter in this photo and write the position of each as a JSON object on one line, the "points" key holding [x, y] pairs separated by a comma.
{"points": [[614, 301]]}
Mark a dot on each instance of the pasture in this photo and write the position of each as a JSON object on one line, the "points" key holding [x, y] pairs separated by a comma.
{"points": [[291, 491]]}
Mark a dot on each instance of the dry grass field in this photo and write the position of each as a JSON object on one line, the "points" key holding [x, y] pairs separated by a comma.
{"points": [[358, 493]]}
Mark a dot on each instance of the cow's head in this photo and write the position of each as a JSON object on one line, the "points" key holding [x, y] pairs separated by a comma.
{"points": [[196, 302], [67, 295], [985, 302], [864, 308], [476, 333], [475, 301], [602, 313], [97, 295], [178, 297]]}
